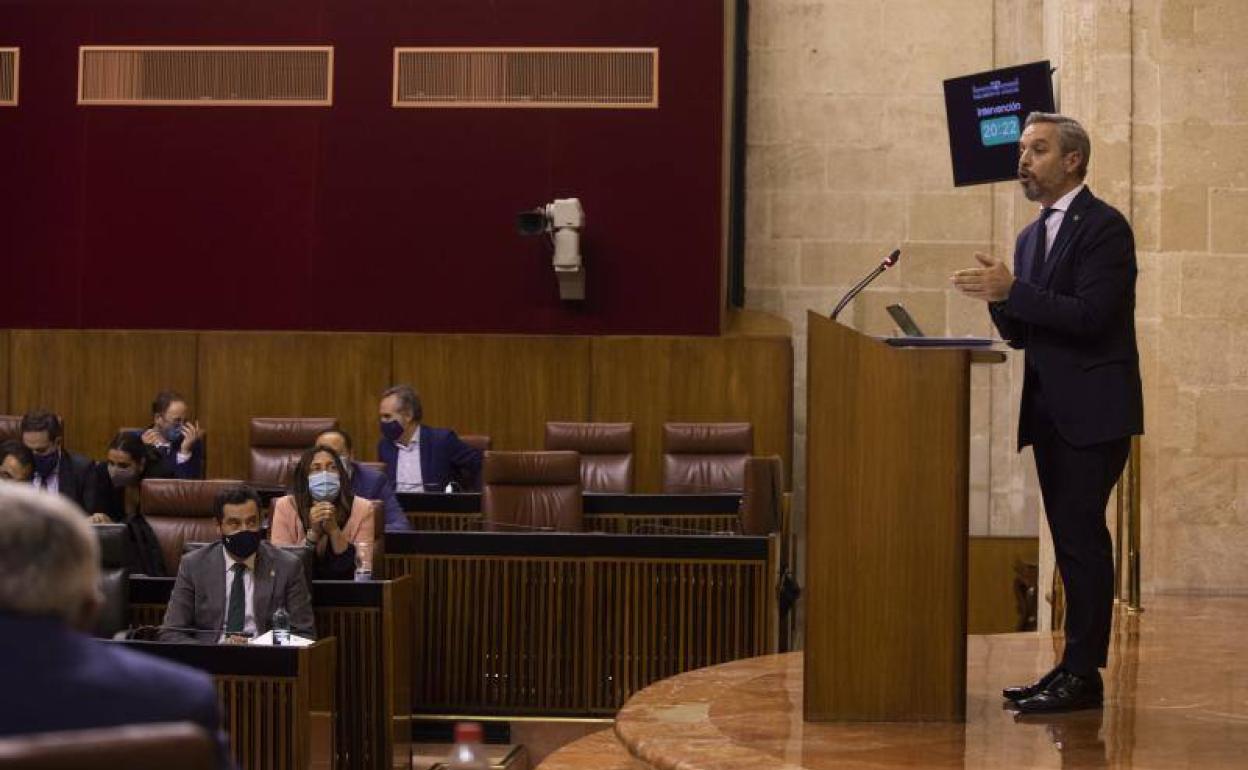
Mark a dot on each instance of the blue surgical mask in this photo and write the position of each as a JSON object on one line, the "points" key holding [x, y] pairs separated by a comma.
{"points": [[323, 485]]}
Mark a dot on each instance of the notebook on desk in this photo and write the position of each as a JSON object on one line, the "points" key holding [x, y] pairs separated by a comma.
{"points": [[915, 338]]}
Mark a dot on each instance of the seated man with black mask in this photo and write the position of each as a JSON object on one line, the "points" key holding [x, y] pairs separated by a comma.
{"points": [[227, 592], [56, 469]]}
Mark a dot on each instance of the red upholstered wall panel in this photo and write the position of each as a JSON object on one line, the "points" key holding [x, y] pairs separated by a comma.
{"points": [[358, 216]]}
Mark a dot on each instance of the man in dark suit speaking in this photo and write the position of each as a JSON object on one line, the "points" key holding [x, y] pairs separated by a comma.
{"points": [[55, 676], [1070, 304]]}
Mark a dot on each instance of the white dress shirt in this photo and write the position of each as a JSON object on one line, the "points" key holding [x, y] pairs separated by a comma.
{"points": [[182, 458], [1054, 222], [249, 588], [407, 473], [50, 484]]}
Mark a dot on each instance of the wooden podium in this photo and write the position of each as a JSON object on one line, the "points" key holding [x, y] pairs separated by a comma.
{"points": [[887, 458]]}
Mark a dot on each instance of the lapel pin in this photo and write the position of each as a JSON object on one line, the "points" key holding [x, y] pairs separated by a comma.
{"points": [[272, 573], [1076, 217]]}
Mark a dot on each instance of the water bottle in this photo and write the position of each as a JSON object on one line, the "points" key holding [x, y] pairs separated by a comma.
{"points": [[468, 753], [281, 627], [363, 561]]}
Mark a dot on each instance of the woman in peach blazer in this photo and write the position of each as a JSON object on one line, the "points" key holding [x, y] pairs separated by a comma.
{"points": [[320, 511]]}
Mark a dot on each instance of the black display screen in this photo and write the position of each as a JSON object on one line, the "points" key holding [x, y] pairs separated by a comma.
{"points": [[985, 112]]}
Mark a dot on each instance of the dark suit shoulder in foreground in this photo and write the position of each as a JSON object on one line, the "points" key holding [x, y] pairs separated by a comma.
{"points": [[59, 679]]}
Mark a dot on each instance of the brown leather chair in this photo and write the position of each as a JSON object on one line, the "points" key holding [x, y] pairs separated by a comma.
{"points": [[277, 442], [10, 427], [762, 501], [181, 511], [606, 450], [115, 547], [525, 491], [137, 747], [705, 457], [478, 441]]}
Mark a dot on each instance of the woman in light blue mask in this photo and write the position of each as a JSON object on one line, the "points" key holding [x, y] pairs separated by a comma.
{"points": [[321, 512]]}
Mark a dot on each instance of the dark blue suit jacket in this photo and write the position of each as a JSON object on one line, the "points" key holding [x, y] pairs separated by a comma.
{"points": [[168, 460], [1076, 322], [59, 679], [372, 484], [443, 459]]}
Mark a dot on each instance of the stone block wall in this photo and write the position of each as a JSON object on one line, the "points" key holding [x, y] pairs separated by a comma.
{"points": [[848, 158]]}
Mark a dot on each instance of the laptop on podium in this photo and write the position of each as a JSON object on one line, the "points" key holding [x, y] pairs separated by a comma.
{"points": [[915, 338]]}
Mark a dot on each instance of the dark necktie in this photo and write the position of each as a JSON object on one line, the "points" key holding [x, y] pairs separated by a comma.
{"points": [[236, 614], [1042, 234]]}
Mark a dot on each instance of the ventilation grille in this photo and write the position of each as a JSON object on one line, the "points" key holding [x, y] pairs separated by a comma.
{"points": [[527, 77], [288, 76], [8, 77]]}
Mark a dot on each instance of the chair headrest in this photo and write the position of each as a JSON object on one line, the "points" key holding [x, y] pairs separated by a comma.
{"points": [[708, 438], [590, 437], [478, 441], [181, 497], [289, 432], [10, 427], [532, 468]]}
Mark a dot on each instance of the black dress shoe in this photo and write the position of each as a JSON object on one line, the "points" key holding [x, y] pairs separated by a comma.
{"points": [[1028, 690], [1067, 692]]}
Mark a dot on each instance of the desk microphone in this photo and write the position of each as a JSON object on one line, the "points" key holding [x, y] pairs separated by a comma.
{"points": [[888, 262], [667, 529], [520, 527], [152, 633]]}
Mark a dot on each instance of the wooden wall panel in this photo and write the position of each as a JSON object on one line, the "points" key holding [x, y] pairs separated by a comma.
{"points": [[652, 380], [990, 604], [4, 371], [287, 374], [505, 386], [98, 381]]}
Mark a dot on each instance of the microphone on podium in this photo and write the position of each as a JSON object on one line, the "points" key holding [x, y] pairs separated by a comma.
{"points": [[888, 262]]}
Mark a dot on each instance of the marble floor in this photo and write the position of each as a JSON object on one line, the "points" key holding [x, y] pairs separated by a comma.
{"points": [[1176, 696]]}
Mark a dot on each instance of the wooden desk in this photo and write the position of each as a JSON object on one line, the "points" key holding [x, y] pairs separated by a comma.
{"points": [[372, 621], [615, 513], [277, 703], [555, 624], [372, 624]]}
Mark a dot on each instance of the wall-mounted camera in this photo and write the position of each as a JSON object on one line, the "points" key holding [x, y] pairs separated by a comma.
{"points": [[562, 220]]}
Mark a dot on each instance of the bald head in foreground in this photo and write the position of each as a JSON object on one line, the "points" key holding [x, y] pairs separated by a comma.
{"points": [[56, 677]]}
